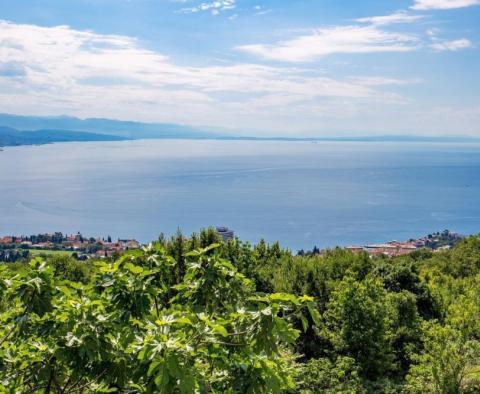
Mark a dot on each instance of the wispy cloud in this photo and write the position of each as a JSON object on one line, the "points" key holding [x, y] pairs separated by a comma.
{"points": [[443, 4], [396, 17], [215, 7], [62, 70], [261, 10], [382, 81], [451, 45], [439, 44], [333, 40]]}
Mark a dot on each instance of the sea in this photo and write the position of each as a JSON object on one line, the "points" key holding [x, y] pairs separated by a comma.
{"points": [[302, 194]]}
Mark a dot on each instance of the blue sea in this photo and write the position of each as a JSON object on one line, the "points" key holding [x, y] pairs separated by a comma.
{"points": [[299, 193]]}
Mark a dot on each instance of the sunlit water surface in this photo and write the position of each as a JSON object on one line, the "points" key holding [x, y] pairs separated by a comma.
{"points": [[299, 193]]}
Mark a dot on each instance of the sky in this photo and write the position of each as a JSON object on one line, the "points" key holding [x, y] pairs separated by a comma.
{"points": [[263, 67]]}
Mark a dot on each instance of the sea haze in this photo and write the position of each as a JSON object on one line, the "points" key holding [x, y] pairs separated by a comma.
{"points": [[299, 193]]}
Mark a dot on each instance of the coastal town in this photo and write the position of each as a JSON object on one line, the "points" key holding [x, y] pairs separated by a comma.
{"points": [[438, 241], [80, 246], [13, 248]]}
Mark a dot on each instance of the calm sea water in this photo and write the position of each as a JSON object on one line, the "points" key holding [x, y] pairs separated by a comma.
{"points": [[299, 193]]}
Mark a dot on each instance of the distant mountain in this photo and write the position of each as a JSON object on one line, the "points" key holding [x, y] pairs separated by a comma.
{"points": [[409, 138], [13, 137], [373, 138], [51, 129], [125, 129]]}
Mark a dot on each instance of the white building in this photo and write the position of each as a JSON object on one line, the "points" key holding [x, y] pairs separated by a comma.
{"points": [[225, 233]]}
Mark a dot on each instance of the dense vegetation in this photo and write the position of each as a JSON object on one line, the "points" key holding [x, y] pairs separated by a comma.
{"points": [[193, 314], [13, 255]]}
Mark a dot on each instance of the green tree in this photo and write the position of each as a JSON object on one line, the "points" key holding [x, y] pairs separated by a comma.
{"points": [[324, 376], [126, 331], [67, 267], [447, 364], [356, 323], [405, 329]]}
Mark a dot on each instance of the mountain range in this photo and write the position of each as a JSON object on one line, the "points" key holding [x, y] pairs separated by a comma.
{"points": [[13, 137], [28, 130], [118, 128]]}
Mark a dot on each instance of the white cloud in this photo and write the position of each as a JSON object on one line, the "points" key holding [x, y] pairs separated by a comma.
{"points": [[60, 70], [215, 7], [439, 44], [397, 17], [443, 4], [332, 40], [382, 81], [261, 10], [452, 45]]}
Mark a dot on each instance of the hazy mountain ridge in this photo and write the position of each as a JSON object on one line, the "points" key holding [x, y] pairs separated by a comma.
{"points": [[125, 129], [13, 137], [66, 128]]}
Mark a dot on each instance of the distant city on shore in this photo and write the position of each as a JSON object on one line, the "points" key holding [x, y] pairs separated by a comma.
{"points": [[81, 247], [15, 247]]}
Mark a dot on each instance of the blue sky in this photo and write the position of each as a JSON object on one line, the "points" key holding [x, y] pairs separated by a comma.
{"points": [[297, 67]]}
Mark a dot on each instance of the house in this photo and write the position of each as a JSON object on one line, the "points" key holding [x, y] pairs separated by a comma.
{"points": [[129, 244], [225, 233], [133, 244], [355, 249], [43, 245], [7, 240], [101, 253], [393, 248], [77, 245]]}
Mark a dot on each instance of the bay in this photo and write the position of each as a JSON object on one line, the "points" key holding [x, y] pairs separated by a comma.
{"points": [[299, 193]]}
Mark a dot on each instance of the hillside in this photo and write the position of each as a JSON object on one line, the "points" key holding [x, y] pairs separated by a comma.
{"points": [[13, 137], [125, 129]]}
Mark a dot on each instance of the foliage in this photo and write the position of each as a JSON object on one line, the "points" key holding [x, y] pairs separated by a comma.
{"points": [[356, 323], [405, 329], [444, 366], [13, 255], [132, 328], [199, 315], [324, 376]]}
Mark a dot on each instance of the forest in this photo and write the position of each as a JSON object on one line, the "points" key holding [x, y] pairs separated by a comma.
{"points": [[198, 315]]}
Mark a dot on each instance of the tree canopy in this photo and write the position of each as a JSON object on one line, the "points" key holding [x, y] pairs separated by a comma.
{"points": [[198, 315]]}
